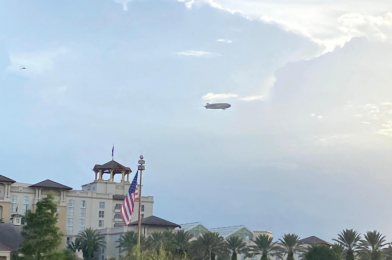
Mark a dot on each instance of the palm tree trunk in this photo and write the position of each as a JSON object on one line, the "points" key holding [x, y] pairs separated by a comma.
{"points": [[350, 255], [234, 256], [264, 257], [290, 256], [212, 256]]}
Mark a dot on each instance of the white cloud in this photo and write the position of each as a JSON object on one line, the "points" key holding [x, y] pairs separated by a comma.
{"points": [[124, 3], [227, 96], [217, 97], [375, 28], [224, 40], [199, 54], [251, 98]]}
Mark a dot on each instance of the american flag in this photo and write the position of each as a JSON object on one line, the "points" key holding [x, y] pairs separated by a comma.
{"points": [[128, 204], [137, 193]]}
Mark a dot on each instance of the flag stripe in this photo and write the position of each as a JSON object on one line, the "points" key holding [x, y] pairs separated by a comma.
{"points": [[128, 203]]}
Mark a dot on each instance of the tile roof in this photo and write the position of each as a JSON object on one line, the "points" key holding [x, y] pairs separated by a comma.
{"points": [[11, 236], [313, 240], [50, 184], [5, 248], [6, 179], [112, 165], [155, 221]]}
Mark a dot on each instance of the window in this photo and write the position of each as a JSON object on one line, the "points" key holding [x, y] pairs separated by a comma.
{"points": [[142, 208], [142, 215], [118, 206], [100, 223], [71, 205], [83, 208], [101, 214], [14, 205], [117, 215], [101, 205], [82, 224], [69, 240], [118, 224], [25, 204], [70, 225]]}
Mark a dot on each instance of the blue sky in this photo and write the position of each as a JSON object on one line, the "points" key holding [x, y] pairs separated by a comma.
{"points": [[304, 149]]}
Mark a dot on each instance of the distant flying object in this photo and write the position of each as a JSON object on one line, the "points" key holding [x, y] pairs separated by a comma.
{"points": [[23, 68], [222, 106]]}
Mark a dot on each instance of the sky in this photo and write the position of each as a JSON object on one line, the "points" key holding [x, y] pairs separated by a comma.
{"points": [[305, 147]]}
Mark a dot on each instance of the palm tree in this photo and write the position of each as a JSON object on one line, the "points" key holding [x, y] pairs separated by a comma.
{"points": [[127, 242], [338, 251], [75, 246], [91, 240], [155, 241], [349, 239], [291, 245], [181, 242], [372, 247], [236, 245], [208, 246], [264, 247]]}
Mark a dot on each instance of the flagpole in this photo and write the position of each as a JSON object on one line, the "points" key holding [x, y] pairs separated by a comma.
{"points": [[140, 168]]}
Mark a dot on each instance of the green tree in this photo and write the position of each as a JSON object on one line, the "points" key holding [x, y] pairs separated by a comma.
{"points": [[265, 247], [338, 250], [155, 241], [41, 234], [291, 245], [236, 245], [127, 242], [209, 246], [90, 241], [349, 239], [74, 246], [181, 242], [372, 246], [320, 252]]}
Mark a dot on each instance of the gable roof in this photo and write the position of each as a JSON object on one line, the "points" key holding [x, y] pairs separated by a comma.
{"points": [[5, 248], [6, 179], [11, 236], [155, 221], [112, 165], [313, 240], [228, 231], [189, 226], [50, 184]]}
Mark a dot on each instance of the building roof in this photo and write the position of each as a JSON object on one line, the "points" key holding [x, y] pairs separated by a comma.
{"points": [[313, 240], [5, 248], [155, 221], [50, 184], [112, 165], [11, 236], [189, 226], [6, 179], [228, 231]]}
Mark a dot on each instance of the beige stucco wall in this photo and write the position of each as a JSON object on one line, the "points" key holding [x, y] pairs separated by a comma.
{"points": [[5, 210]]}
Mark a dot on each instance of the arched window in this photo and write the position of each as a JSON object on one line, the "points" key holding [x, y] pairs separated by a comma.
{"points": [[71, 205]]}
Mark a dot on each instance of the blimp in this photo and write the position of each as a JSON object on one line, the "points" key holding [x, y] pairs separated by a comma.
{"points": [[222, 106]]}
